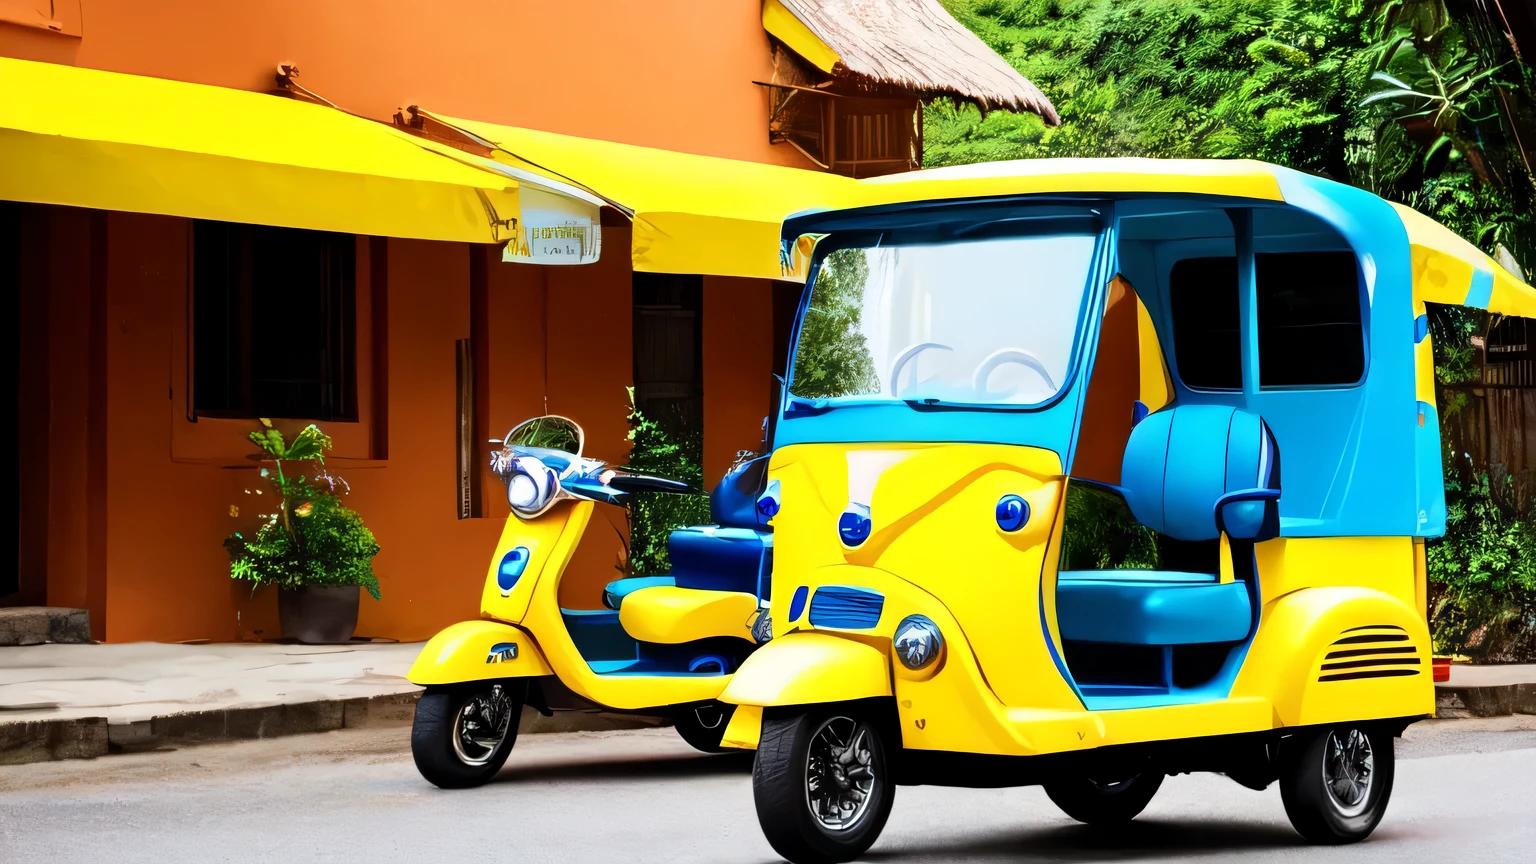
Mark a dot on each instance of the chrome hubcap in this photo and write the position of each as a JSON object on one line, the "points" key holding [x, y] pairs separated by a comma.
{"points": [[840, 773], [1348, 771], [482, 724]]}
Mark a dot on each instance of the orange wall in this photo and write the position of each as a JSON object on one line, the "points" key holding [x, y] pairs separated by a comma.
{"points": [[675, 74], [139, 496]]}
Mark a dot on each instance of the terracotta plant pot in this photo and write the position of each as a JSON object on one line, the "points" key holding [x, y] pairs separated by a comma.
{"points": [[1442, 669], [318, 615]]}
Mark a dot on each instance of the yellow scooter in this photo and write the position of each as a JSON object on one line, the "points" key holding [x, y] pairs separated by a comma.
{"points": [[664, 646]]}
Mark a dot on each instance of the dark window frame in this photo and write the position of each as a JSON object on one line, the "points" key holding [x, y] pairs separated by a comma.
{"points": [[1362, 322]]}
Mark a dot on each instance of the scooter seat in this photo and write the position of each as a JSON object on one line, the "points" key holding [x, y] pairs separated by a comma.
{"points": [[1151, 607], [717, 558], [615, 592], [670, 614]]}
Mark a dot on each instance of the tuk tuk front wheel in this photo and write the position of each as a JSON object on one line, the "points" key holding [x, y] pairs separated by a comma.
{"points": [[461, 735], [1104, 802], [822, 785], [1335, 783]]}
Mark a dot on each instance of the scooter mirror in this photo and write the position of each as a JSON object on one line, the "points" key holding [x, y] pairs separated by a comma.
{"points": [[551, 432]]}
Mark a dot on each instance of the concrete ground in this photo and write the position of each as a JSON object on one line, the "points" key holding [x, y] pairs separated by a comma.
{"points": [[1463, 793]]}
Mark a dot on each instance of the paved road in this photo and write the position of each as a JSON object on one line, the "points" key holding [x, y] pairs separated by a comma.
{"points": [[1464, 793]]}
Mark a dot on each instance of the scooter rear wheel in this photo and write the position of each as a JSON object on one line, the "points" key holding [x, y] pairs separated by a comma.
{"points": [[704, 725], [462, 734], [1099, 802]]}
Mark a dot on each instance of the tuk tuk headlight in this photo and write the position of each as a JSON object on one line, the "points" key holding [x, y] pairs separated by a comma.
{"points": [[917, 641]]}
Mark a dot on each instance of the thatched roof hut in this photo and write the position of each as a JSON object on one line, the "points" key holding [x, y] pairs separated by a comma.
{"points": [[913, 45]]}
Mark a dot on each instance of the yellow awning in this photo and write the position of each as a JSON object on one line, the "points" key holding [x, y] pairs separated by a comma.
{"points": [[86, 138], [1448, 269], [692, 214]]}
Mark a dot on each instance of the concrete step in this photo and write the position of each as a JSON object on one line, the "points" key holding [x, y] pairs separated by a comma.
{"points": [[1493, 700], [34, 625]]}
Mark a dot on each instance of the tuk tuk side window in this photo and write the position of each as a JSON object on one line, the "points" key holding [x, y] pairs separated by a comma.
{"points": [[1310, 334]]}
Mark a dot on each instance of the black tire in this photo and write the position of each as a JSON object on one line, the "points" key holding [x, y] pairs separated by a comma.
{"points": [[1330, 814], [1094, 802], [788, 755], [471, 761], [702, 726]]}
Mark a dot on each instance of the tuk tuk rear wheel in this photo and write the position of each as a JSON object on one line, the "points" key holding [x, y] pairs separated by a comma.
{"points": [[822, 784], [462, 734], [1335, 783], [1104, 802], [703, 726]]}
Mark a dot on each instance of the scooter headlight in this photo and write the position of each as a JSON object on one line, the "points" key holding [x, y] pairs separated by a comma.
{"points": [[531, 486]]}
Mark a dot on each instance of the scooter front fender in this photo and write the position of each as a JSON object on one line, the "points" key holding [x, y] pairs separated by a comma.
{"points": [[476, 651]]}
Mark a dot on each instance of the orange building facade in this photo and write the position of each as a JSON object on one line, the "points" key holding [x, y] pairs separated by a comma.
{"points": [[127, 487]]}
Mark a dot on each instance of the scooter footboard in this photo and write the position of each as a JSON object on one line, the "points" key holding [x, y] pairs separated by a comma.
{"points": [[476, 651]]}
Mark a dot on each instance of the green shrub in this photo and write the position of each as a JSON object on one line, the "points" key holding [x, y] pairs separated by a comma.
{"points": [[1482, 573], [311, 538], [653, 516]]}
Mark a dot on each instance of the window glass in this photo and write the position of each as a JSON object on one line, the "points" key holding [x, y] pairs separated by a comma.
{"points": [[1206, 335], [1309, 320], [1310, 328], [274, 322], [988, 321]]}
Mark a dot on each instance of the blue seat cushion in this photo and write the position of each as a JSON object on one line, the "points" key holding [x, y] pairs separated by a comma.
{"points": [[1151, 607], [618, 589], [717, 558]]}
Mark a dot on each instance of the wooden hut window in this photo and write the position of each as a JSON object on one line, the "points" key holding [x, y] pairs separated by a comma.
{"points": [[1507, 357]]}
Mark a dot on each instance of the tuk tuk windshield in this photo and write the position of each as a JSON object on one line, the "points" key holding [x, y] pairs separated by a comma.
{"points": [[983, 322]]}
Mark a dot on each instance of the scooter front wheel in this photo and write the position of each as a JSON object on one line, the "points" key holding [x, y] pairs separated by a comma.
{"points": [[822, 785], [462, 734]]}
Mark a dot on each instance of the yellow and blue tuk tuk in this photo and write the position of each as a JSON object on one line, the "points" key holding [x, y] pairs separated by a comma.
{"points": [[1089, 472]]}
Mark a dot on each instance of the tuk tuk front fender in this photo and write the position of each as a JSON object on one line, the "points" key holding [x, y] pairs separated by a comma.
{"points": [[476, 651], [807, 668]]}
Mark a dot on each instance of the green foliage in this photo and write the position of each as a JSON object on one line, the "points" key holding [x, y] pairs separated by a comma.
{"points": [[1169, 78], [653, 516], [311, 538], [832, 357], [1101, 534], [1482, 573], [1286, 81]]}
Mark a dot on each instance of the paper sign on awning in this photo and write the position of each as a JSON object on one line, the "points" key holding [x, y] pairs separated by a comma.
{"points": [[554, 229]]}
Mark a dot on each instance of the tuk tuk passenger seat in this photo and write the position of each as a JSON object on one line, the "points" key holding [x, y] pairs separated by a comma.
{"points": [[1189, 473]]}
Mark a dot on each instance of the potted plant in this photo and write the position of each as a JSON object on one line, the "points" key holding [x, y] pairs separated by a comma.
{"points": [[315, 550]]}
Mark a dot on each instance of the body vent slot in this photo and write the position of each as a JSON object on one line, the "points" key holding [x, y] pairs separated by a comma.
{"points": [[1371, 651]]}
